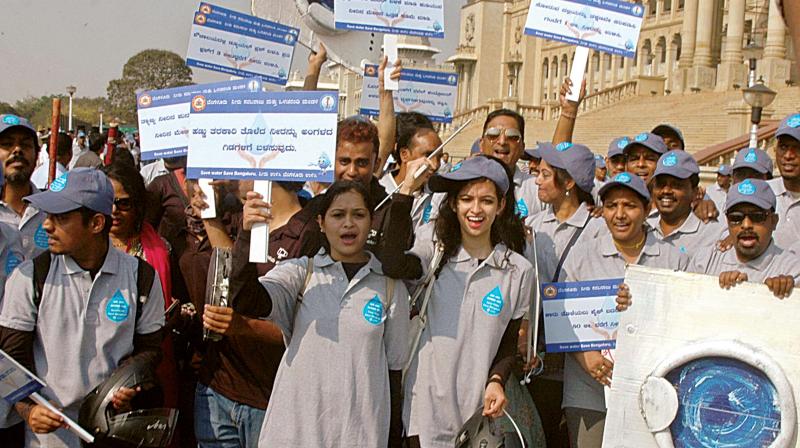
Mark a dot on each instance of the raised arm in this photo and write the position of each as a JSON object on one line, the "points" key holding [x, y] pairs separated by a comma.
{"points": [[569, 113], [387, 125], [315, 61]]}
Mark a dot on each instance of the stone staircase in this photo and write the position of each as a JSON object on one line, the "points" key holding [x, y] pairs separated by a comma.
{"points": [[701, 116]]}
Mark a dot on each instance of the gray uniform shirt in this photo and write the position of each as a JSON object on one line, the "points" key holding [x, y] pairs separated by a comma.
{"points": [[34, 237], [527, 194], [601, 260], [773, 262], [788, 210], [422, 206], [468, 312], [332, 386], [715, 193], [10, 257], [693, 235], [82, 329]]}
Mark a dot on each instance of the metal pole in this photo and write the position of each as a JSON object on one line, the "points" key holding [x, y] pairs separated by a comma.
{"points": [[69, 126], [755, 119], [101, 122]]}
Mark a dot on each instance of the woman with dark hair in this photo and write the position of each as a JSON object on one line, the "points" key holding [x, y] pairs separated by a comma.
{"points": [[131, 234], [346, 328], [481, 288]]}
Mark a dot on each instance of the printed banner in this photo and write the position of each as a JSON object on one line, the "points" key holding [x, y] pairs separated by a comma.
{"points": [[611, 26], [164, 116], [580, 316], [16, 382], [412, 17], [430, 93], [279, 136], [241, 45]]}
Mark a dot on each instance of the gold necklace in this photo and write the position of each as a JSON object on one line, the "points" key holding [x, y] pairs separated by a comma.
{"points": [[636, 246]]}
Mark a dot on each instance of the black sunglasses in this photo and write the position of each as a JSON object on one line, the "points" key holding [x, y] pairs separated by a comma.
{"points": [[737, 218], [123, 204]]}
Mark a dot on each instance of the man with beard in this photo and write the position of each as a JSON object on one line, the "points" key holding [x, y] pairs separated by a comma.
{"points": [[673, 187], [750, 209], [19, 147], [787, 187]]}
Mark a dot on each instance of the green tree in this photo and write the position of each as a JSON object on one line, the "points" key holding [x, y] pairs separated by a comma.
{"points": [[150, 69], [6, 108]]}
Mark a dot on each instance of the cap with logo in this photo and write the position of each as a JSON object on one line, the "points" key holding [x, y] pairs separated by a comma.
{"points": [[79, 187], [790, 126], [11, 121], [599, 161], [650, 141], [724, 170], [753, 158], [617, 146], [577, 160], [751, 191], [666, 128], [81, 134], [536, 153], [677, 163], [475, 168], [627, 180]]}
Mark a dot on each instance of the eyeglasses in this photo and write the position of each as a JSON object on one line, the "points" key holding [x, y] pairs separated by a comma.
{"points": [[737, 218], [512, 135], [123, 204]]}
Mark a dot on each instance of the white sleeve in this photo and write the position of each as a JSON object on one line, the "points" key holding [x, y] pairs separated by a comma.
{"points": [[17, 310], [284, 284]]}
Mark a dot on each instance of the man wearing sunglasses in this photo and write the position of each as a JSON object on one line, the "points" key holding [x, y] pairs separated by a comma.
{"points": [[750, 210], [504, 138]]}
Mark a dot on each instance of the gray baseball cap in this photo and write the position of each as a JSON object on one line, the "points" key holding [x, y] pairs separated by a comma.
{"points": [[626, 180], [474, 168], [536, 153], [576, 160], [678, 164], [10, 121], [650, 141], [751, 191], [754, 158], [599, 161], [725, 170], [617, 146], [79, 187], [790, 126], [666, 128]]}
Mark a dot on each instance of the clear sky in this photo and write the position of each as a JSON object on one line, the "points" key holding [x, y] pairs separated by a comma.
{"points": [[46, 45]]}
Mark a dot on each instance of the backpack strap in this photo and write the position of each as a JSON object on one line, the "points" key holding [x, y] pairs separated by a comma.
{"points": [[145, 276], [41, 267]]}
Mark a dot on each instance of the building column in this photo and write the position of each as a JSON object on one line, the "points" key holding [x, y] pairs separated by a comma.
{"points": [[614, 69], [731, 69], [669, 66], [626, 69], [590, 74], [688, 32], [703, 75], [775, 46], [602, 71]]}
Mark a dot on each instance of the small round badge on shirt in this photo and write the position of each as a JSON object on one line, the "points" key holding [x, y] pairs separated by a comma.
{"points": [[642, 137], [563, 146], [624, 178], [117, 309], [40, 238], [747, 188], [751, 157], [670, 160], [522, 209], [373, 311], [60, 183], [492, 303]]}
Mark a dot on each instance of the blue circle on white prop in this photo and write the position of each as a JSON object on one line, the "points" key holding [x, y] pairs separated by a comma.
{"points": [[793, 121], [492, 303], [12, 120], [751, 156], [624, 178], [373, 311], [629, 44], [327, 103], [117, 309], [59, 184], [670, 160], [724, 402], [747, 188], [642, 137], [563, 146]]}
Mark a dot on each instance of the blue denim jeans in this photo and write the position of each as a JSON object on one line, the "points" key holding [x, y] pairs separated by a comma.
{"points": [[223, 423]]}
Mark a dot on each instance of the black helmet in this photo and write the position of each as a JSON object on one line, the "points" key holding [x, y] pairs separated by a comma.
{"points": [[145, 426], [483, 432]]}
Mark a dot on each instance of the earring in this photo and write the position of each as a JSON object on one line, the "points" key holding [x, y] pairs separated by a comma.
{"points": [[567, 193]]}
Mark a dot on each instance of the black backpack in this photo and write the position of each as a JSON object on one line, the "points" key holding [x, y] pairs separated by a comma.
{"points": [[145, 276]]}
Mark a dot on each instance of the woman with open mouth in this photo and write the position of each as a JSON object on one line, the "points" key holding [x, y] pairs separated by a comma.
{"points": [[346, 330], [480, 288]]}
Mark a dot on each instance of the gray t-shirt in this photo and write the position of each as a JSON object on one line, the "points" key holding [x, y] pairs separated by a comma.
{"points": [[332, 386], [788, 210], [773, 262], [526, 193], [600, 260], [468, 312], [692, 236], [34, 237], [82, 329]]}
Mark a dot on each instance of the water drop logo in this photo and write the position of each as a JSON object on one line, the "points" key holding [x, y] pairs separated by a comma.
{"points": [[437, 26], [426, 213], [670, 160], [629, 45], [260, 140], [452, 80], [456, 167], [563, 146], [40, 238], [12, 261], [521, 209], [622, 143], [240, 51], [585, 22], [751, 156], [323, 162], [11, 120], [289, 39], [623, 178], [373, 311], [390, 9], [793, 121], [447, 112], [59, 184], [282, 73], [492, 303], [747, 188], [117, 309], [642, 137]]}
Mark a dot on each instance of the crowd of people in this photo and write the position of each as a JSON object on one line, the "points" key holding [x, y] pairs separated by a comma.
{"points": [[111, 263]]}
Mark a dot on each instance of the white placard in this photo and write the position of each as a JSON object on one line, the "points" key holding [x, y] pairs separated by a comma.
{"points": [[412, 17], [430, 93]]}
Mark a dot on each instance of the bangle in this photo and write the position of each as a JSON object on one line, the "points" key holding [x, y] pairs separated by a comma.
{"points": [[496, 380]]}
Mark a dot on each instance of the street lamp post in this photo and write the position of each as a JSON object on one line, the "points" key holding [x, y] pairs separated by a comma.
{"points": [[100, 110], [757, 96], [752, 52], [71, 91]]}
